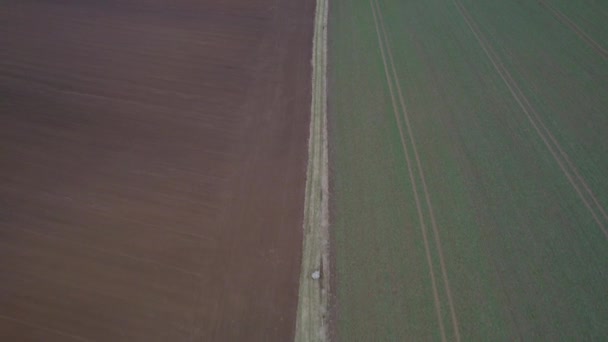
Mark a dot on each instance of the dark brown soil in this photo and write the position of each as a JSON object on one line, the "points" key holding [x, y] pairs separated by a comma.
{"points": [[152, 168]]}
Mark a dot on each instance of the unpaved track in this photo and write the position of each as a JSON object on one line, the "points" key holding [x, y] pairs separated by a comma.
{"points": [[311, 324], [152, 168]]}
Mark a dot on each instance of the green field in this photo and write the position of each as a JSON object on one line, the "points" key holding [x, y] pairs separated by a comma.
{"points": [[469, 169]]}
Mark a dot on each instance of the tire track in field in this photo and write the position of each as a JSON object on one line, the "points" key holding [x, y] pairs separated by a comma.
{"points": [[437, 239], [577, 181], [579, 32], [381, 32], [412, 180]]}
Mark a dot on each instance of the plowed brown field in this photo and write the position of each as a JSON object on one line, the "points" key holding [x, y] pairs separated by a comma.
{"points": [[152, 168]]}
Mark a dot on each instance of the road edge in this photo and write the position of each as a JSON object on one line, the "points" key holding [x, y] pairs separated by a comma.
{"points": [[311, 321]]}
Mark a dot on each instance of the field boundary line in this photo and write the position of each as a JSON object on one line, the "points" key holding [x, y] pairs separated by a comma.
{"points": [[312, 311], [579, 32], [423, 228], [566, 165], [425, 191]]}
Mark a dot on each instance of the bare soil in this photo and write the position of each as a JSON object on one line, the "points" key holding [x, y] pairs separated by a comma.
{"points": [[152, 168]]}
